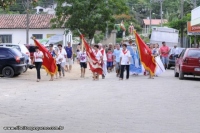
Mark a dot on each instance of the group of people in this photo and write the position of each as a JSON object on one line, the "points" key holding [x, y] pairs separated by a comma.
{"points": [[121, 57], [62, 56]]}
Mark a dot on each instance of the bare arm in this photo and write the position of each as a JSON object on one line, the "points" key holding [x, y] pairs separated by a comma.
{"points": [[120, 60]]}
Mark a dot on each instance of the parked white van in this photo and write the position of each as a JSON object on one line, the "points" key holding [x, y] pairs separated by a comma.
{"points": [[165, 34]]}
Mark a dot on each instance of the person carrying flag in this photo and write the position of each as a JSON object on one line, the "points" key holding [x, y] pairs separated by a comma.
{"points": [[38, 59], [99, 57], [145, 53], [43, 58], [104, 60], [53, 54]]}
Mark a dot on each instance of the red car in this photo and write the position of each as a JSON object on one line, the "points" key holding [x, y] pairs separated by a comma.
{"points": [[188, 63]]}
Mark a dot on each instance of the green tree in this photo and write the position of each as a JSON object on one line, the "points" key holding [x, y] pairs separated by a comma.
{"points": [[6, 3], [88, 15]]}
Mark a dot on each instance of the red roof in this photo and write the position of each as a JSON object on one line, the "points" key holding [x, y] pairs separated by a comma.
{"points": [[154, 21], [18, 21]]}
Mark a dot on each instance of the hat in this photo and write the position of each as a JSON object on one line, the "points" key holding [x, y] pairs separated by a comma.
{"points": [[100, 44]]}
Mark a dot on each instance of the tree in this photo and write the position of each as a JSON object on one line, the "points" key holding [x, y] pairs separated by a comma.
{"points": [[88, 16], [6, 3]]}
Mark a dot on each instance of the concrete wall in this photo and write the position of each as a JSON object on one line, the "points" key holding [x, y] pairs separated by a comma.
{"points": [[111, 38]]}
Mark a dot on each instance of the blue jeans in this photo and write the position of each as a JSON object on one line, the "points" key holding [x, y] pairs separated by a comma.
{"points": [[165, 60]]}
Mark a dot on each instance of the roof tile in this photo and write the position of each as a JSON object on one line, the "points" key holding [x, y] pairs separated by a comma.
{"points": [[18, 21]]}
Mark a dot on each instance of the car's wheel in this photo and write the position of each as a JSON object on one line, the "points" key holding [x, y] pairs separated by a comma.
{"points": [[181, 75], [168, 66], [175, 73], [8, 72], [25, 69]]}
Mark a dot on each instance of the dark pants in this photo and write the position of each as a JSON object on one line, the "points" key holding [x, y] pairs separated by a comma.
{"points": [[59, 67], [38, 67], [122, 71]]}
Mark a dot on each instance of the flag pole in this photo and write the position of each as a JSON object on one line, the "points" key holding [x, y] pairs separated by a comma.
{"points": [[81, 40]]}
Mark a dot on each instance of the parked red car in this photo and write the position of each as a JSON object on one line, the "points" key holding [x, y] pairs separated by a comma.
{"points": [[188, 63]]}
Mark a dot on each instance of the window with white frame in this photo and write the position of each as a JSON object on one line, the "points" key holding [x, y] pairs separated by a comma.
{"points": [[5, 38], [38, 36]]}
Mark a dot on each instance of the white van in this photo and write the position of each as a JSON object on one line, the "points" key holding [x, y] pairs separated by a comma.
{"points": [[20, 47], [165, 34]]}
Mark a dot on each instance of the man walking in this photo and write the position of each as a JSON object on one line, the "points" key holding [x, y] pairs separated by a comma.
{"points": [[164, 51], [64, 54], [116, 54], [69, 60]]}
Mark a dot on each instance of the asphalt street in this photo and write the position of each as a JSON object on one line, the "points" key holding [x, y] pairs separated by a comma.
{"points": [[138, 105]]}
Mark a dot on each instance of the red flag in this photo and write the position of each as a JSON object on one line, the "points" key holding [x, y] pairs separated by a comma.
{"points": [[146, 57], [95, 66], [49, 62]]}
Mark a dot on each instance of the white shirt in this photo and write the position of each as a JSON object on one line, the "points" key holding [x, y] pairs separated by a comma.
{"points": [[125, 57], [82, 56], [175, 51], [59, 59], [63, 53], [104, 54], [98, 55], [38, 56]]}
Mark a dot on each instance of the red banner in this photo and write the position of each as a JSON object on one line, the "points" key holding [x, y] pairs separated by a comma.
{"points": [[95, 66], [146, 57]]}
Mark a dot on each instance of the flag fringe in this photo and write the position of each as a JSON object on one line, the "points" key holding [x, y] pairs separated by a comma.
{"points": [[49, 71]]}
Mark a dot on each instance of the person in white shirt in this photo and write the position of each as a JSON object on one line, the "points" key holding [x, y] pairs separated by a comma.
{"points": [[125, 58], [82, 57], [99, 57], [64, 54], [104, 62], [38, 59], [59, 59], [175, 51]]}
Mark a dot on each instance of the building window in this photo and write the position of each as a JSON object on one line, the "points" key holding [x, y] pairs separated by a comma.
{"points": [[38, 36], [5, 38]]}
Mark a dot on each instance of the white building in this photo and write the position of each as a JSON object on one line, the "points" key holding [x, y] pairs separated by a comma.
{"points": [[13, 28], [195, 17]]}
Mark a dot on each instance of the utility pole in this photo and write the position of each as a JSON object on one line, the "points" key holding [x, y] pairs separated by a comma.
{"points": [[195, 5], [161, 9], [161, 12], [150, 17], [27, 21], [182, 10], [150, 21]]}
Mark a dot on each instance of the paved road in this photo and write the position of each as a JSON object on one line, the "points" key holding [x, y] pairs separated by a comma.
{"points": [[138, 105]]}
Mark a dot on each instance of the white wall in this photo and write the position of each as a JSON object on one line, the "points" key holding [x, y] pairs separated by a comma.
{"points": [[19, 35], [195, 13]]}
